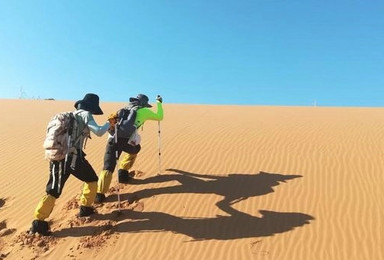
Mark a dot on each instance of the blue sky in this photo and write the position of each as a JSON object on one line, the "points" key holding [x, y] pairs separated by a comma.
{"points": [[260, 52]]}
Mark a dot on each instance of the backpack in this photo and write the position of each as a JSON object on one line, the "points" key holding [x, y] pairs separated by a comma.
{"points": [[58, 136], [126, 121]]}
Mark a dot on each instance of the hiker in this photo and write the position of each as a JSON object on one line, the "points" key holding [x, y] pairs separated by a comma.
{"points": [[75, 164], [127, 141]]}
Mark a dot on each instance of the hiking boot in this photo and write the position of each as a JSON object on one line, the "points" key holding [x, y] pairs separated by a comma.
{"points": [[86, 211], [124, 176], [100, 198], [41, 227]]}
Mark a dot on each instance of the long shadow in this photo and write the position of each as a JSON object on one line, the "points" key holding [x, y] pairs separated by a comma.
{"points": [[233, 187], [238, 225]]}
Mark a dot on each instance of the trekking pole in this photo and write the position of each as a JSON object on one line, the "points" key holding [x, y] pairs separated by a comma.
{"points": [[159, 132], [159, 147], [117, 161]]}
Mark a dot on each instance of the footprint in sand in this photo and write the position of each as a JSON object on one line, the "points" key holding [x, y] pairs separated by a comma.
{"points": [[1, 249], [7, 231], [2, 256], [138, 207], [3, 225], [256, 248], [2, 202], [79, 221], [137, 173], [4, 231]]}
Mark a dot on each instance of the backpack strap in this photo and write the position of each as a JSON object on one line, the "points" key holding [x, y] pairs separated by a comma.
{"points": [[71, 123], [124, 112], [76, 124]]}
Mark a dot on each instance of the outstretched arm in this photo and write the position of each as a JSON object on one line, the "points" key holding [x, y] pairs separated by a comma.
{"points": [[207, 176], [96, 129]]}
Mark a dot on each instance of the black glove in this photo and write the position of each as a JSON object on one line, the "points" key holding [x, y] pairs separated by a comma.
{"points": [[159, 98]]}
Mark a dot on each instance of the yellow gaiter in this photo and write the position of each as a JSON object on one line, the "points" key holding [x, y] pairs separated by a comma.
{"points": [[128, 161], [89, 193], [45, 207], [104, 182]]}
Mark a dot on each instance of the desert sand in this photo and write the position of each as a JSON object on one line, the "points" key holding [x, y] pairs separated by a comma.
{"points": [[236, 182]]}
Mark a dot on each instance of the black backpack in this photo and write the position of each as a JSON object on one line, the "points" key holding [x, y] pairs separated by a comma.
{"points": [[126, 121]]}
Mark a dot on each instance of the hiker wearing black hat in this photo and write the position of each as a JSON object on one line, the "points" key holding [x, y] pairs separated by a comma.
{"points": [[74, 163], [128, 120]]}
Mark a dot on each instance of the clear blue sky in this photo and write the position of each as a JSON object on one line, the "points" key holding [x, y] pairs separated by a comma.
{"points": [[262, 52]]}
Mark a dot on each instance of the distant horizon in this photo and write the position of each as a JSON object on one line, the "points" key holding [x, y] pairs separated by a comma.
{"points": [[203, 104]]}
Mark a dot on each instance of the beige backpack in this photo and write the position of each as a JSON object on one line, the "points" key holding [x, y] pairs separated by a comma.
{"points": [[58, 137]]}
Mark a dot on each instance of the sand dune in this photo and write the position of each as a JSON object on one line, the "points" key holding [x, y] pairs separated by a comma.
{"points": [[237, 182]]}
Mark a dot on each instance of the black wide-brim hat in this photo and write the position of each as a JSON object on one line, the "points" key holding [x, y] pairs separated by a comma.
{"points": [[142, 99], [90, 103]]}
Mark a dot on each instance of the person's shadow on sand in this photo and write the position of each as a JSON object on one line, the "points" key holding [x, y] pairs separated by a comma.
{"points": [[234, 188], [238, 225]]}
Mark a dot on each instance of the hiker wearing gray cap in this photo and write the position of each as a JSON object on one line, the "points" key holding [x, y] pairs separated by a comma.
{"points": [[128, 120]]}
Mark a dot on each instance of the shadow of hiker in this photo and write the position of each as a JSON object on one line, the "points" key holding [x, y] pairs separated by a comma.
{"points": [[233, 187], [238, 225]]}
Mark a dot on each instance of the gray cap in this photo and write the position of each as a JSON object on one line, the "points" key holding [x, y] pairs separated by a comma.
{"points": [[142, 99]]}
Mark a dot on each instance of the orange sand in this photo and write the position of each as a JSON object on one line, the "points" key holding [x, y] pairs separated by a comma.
{"points": [[237, 182]]}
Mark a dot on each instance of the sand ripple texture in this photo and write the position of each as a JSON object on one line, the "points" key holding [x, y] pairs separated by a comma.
{"points": [[236, 182]]}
